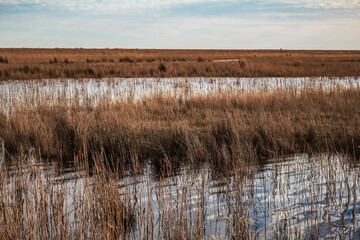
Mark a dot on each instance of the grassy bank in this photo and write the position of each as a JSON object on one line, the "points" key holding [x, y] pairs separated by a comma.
{"points": [[220, 129], [100, 63]]}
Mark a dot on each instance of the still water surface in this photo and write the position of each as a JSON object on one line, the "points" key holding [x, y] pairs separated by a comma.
{"points": [[298, 196], [30, 94]]}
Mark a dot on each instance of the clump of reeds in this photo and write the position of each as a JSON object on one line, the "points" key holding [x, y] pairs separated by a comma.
{"points": [[53, 61], [126, 59], [200, 59], [162, 67], [3, 60], [35, 203], [242, 63]]}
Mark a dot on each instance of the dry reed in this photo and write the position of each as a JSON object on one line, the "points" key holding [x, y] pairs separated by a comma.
{"points": [[100, 63], [216, 128], [231, 133]]}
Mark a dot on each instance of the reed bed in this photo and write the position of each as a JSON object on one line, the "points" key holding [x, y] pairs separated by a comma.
{"points": [[217, 127], [295, 197], [130, 63], [30, 94], [38, 201], [182, 165]]}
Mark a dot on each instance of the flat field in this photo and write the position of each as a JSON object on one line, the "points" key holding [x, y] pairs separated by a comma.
{"points": [[105, 63]]}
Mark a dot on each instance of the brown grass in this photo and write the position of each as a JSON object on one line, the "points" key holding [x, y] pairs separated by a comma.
{"points": [[112, 140], [34, 205], [100, 63], [215, 128]]}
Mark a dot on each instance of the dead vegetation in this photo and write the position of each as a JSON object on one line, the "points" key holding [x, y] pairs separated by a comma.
{"points": [[35, 203], [101, 63], [216, 128], [229, 132]]}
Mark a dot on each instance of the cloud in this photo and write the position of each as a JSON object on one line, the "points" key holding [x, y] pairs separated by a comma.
{"points": [[332, 4], [192, 32], [181, 24], [126, 6], [109, 6]]}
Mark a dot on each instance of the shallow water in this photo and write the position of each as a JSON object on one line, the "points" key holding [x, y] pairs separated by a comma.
{"points": [[295, 197], [29, 94]]}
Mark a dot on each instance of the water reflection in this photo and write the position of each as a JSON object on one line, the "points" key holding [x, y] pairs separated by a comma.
{"points": [[90, 92], [294, 197]]}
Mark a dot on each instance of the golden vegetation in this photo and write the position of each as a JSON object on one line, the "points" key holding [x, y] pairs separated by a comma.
{"points": [[216, 128], [35, 204], [229, 132], [100, 63], [112, 140]]}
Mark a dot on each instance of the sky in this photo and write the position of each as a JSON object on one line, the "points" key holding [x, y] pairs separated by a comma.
{"points": [[181, 24]]}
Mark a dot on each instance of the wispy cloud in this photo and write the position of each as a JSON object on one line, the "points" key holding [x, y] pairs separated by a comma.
{"points": [[332, 4], [120, 6], [181, 24], [109, 6]]}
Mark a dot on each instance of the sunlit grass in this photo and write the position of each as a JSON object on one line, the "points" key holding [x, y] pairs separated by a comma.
{"points": [[100, 63], [183, 166]]}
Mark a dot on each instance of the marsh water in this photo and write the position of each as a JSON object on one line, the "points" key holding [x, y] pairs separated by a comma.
{"points": [[298, 196], [29, 94]]}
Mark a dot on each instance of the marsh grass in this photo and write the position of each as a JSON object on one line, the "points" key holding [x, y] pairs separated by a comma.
{"points": [[3, 60], [219, 128], [101, 63], [127, 177], [296, 197], [37, 203]]}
